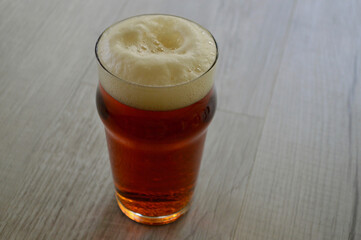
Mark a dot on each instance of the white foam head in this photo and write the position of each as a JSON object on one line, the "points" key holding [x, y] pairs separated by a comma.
{"points": [[156, 62]]}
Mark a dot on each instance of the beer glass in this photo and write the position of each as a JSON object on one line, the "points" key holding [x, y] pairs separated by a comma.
{"points": [[155, 152]]}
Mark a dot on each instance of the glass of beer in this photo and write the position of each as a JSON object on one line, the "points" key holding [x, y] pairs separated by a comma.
{"points": [[156, 98]]}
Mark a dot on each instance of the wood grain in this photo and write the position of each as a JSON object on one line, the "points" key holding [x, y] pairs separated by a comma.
{"points": [[282, 158], [251, 35], [43, 56], [306, 181]]}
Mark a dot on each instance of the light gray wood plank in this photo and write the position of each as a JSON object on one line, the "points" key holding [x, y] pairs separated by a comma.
{"points": [[251, 35], [67, 168], [305, 184], [67, 192], [306, 179], [45, 50]]}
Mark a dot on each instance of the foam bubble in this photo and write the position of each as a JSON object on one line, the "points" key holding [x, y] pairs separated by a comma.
{"points": [[156, 62]]}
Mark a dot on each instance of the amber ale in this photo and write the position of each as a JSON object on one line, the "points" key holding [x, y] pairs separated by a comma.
{"points": [[155, 129], [155, 155]]}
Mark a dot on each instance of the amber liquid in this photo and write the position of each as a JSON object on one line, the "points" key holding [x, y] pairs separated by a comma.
{"points": [[155, 155]]}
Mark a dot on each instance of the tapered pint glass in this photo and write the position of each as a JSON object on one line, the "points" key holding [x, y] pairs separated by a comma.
{"points": [[156, 98]]}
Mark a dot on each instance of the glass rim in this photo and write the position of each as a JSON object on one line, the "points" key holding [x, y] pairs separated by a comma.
{"points": [[150, 86]]}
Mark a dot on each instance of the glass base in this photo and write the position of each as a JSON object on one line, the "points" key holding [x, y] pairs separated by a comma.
{"points": [[160, 220]]}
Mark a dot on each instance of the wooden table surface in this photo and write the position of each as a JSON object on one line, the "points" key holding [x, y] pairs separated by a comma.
{"points": [[283, 154]]}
